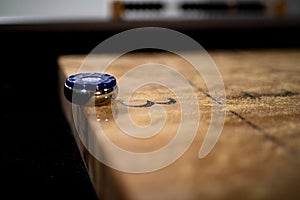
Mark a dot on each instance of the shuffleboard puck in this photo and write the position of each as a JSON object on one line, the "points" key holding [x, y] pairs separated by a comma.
{"points": [[91, 88]]}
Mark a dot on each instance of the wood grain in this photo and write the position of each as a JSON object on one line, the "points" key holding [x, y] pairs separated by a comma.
{"points": [[258, 153]]}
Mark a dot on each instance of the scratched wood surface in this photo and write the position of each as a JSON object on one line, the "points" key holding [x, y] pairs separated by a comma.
{"points": [[257, 155]]}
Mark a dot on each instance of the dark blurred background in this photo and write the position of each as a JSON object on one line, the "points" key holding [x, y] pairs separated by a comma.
{"points": [[39, 156]]}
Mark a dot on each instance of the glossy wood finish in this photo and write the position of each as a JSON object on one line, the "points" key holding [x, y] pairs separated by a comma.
{"points": [[258, 153]]}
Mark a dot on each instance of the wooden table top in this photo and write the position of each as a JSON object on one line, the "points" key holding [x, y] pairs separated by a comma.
{"points": [[257, 155]]}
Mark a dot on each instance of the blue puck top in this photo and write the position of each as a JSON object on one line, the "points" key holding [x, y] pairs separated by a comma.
{"points": [[91, 81]]}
